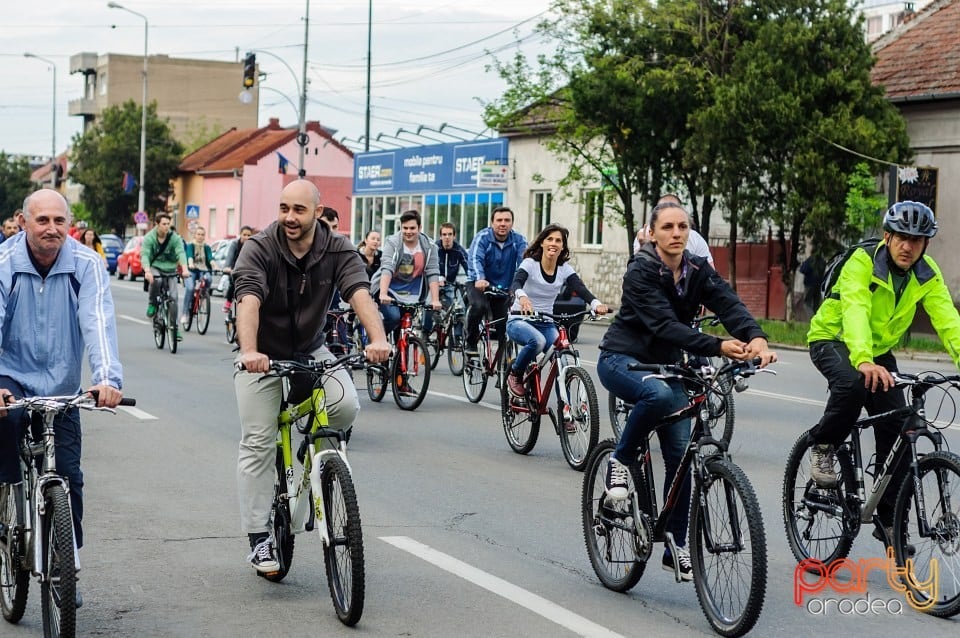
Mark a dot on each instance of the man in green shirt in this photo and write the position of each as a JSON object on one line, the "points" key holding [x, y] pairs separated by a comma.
{"points": [[161, 254]]}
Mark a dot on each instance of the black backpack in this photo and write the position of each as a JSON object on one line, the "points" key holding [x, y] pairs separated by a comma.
{"points": [[832, 271]]}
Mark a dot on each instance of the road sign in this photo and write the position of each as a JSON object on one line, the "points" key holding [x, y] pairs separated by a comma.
{"points": [[140, 217], [193, 211]]}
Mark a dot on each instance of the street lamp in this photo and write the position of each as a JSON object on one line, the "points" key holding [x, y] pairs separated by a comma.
{"points": [[445, 125], [142, 198], [53, 145], [440, 131], [426, 137]]}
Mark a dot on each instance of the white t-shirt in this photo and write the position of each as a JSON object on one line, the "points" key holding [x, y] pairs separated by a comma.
{"points": [[696, 244]]}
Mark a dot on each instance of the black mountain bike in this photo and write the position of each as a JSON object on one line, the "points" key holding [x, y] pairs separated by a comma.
{"points": [[165, 320]]}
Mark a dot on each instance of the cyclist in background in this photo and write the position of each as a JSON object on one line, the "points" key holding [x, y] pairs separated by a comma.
{"points": [[369, 249], [861, 320], [451, 257], [494, 256], [161, 253], [42, 275], [285, 278], [696, 244], [246, 232], [663, 290], [200, 263]]}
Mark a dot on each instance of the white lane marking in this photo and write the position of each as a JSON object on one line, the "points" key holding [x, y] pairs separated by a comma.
{"points": [[786, 397], [537, 604], [454, 397], [142, 322], [137, 413]]}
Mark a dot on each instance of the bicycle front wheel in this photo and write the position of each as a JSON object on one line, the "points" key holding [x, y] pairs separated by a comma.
{"points": [[280, 527], [377, 380], [521, 424], [14, 579], [610, 527], [434, 347], [821, 523], [410, 376], [58, 591], [455, 347], [159, 328], [172, 326], [728, 549], [230, 323], [343, 557], [580, 420], [619, 411], [203, 314], [474, 375], [935, 551]]}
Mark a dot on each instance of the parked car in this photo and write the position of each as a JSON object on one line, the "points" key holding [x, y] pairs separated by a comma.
{"points": [[112, 247], [128, 264]]}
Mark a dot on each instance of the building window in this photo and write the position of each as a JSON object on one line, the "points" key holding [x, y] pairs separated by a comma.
{"points": [[593, 218], [540, 211], [212, 222], [874, 25], [232, 229], [103, 83]]}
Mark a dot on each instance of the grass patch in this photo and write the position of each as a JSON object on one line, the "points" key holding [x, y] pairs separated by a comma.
{"points": [[794, 333]]}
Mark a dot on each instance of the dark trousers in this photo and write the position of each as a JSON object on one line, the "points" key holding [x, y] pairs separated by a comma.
{"points": [[848, 397], [478, 305], [67, 428]]}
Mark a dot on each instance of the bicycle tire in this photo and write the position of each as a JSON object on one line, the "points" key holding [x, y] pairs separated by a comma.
{"points": [[729, 409], [609, 528], [172, 326], [189, 322], [474, 375], [280, 526], [434, 347], [580, 434], [343, 558], [230, 324], [58, 589], [735, 538], [520, 427], [825, 536], [376, 381], [406, 372], [455, 358], [941, 546], [159, 328], [14, 579], [203, 314], [618, 412]]}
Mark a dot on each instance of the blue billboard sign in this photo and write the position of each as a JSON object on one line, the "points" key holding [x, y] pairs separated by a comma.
{"points": [[434, 168]]}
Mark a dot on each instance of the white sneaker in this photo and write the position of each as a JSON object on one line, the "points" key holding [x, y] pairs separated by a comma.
{"points": [[264, 557]]}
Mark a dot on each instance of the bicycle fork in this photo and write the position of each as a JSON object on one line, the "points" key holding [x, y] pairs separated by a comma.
{"points": [[316, 472]]}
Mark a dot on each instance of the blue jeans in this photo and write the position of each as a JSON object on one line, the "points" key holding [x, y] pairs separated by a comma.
{"points": [[534, 337], [446, 300], [652, 399], [391, 317], [189, 284], [67, 428]]}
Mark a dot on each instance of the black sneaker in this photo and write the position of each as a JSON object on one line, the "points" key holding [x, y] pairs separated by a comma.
{"points": [[683, 563], [615, 482], [263, 558], [888, 530]]}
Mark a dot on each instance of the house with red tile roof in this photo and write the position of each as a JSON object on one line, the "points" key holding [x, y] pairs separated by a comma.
{"points": [[235, 180], [918, 65]]}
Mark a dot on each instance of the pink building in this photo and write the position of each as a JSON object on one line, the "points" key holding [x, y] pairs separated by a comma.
{"points": [[235, 180]]}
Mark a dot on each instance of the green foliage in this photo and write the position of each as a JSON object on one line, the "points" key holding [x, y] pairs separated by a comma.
{"points": [[14, 183], [198, 133], [104, 152], [865, 205]]}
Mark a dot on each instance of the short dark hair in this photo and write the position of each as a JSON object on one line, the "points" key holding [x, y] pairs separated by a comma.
{"points": [[501, 209], [250, 228], [329, 214], [450, 226], [162, 215], [409, 215]]}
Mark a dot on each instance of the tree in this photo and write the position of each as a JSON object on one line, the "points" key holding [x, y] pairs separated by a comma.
{"points": [[14, 183], [103, 153]]}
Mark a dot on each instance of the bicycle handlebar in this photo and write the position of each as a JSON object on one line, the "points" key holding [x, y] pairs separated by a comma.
{"points": [[742, 368], [560, 316], [286, 367], [84, 400]]}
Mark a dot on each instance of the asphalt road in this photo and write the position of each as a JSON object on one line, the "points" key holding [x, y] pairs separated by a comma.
{"points": [[462, 536]]}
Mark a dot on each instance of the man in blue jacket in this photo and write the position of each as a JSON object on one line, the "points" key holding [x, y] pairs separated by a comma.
{"points": [[55, 303], [493, 258]]}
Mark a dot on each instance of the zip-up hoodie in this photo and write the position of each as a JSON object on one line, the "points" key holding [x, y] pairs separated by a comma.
{"points": [[492, 262], [48, 322], [294, 302], [390, 258]]}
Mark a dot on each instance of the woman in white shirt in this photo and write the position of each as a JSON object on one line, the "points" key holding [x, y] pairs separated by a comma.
{"points": [[536, 285]]}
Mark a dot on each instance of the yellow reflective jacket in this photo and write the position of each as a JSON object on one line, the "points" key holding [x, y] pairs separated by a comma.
{"points": [[862, 312]]}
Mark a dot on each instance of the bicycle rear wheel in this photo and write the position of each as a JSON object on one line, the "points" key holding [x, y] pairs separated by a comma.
{"points": [[434, 346], [521, 424], [410, 374], [610, 527], [728, 549], [58, 590], [580, 420], [455, 346], [14, 579], [821, 523], [203, 313], [377, 380], [936, 553], [283, 537], [172, 326], [189, 321], [343, 557], [474, 374]]}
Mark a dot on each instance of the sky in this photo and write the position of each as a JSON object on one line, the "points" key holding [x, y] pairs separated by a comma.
{"points": [[429, 58]]}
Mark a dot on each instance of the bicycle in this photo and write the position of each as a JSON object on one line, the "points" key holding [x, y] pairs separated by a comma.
{"points": [[727, 541], [577, 419], [447, 333], [165, 320], [619, 410], [36, 521], [408, 365], [320, 490], [199, 307], [821, 523], [477, 370]]}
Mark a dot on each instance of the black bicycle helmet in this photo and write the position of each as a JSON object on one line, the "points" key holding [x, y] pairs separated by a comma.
{"points": [[910, 218]]}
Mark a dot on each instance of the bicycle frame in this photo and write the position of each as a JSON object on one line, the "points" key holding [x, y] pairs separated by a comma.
{"points": [[407, 314], [199, 290], [557, 357]]}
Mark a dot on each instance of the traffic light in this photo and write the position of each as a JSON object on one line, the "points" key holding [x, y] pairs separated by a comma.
{"points": [[249, 70]]}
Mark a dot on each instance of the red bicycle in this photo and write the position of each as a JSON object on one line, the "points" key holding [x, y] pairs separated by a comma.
{"points": [[409, 366], [200, 307]]}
